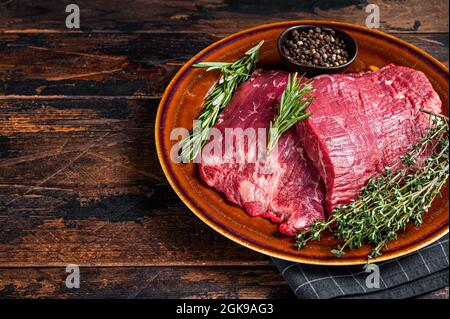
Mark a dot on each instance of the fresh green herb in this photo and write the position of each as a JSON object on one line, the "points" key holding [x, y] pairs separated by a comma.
{"points": [[233, 74], [292, 108], [388, 203]]}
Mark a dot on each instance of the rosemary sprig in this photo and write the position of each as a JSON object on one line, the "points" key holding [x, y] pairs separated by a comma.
{"points": [[292, 108], [233, 74], [388, 203]]}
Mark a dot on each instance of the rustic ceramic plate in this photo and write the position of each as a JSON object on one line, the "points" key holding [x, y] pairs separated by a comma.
{"points": [[181, 104]]}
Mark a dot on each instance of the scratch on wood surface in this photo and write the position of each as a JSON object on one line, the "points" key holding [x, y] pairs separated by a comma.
{"points": [[35, 30], [80, 171], [40, 89], [112, 237], [176, 63], [63, 145], [424, 39], [36, 156], [83, 75], [70, 163], [147, 280], [6, 185], [90, 55], [179, 17], [114, 163], [23, 124]]}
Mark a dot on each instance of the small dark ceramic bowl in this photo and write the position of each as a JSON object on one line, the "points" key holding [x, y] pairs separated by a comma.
{"points": [[311, 70]]}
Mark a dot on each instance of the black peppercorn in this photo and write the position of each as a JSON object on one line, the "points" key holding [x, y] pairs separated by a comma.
{"points": [[316, 46]]}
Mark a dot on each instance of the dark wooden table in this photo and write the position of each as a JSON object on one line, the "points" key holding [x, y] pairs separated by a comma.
{"points": [[80, 182]]}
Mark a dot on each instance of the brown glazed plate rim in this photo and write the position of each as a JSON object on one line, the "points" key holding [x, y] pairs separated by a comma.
{"points": [[227, 230]]}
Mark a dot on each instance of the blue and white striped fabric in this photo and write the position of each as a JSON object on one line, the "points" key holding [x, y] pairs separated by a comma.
{"points": [[410, 276]]}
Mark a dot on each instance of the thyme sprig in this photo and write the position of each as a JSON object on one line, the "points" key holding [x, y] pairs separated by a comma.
{"points": [[388, 203], [233, 74], [294, 102]]}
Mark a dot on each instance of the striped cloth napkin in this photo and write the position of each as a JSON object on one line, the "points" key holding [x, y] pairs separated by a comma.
{"points": [[413, 275]]}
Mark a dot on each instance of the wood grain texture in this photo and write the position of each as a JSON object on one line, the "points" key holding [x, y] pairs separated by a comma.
{"points": [[80, 182], [153, 282], [134, 65], [221, 17], [79, 178], [156, 282], [93, 64]]}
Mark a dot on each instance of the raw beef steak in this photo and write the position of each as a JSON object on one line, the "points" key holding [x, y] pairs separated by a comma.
{"points": [[362, 123], [284, 187]]}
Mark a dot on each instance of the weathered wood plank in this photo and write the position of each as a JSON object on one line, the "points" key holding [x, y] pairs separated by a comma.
{"points": [[138, 65], [218, 16], [93, 64], [80, 182], [144, 282], [153, 282]]}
